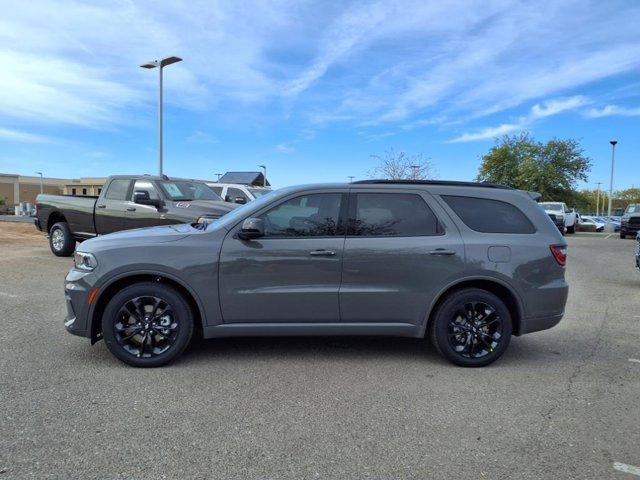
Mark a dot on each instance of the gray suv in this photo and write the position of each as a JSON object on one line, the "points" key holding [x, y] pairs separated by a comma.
{"points": [[466, 264]]}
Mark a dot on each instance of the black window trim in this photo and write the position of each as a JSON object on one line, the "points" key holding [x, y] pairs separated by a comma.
{"points": [[341, 215], [353, 207], [446, 204]]}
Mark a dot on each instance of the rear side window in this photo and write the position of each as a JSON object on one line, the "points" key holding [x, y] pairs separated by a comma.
{"points": [[218, 190], [392, 215], [118, 189], [489, 216]]}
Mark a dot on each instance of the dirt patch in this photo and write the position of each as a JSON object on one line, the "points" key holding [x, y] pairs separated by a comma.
{"points": [[20, 234]]}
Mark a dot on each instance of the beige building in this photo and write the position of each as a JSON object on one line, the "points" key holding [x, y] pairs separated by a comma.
{"points": [[20, 188]]}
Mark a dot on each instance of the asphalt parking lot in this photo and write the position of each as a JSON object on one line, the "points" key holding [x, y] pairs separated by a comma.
{"points": [[559, 404]]}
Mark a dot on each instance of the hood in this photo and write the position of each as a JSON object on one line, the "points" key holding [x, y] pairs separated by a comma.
{"points": [[139, 236], [203, 207]]}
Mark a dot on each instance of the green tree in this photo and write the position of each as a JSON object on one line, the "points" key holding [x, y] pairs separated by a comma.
{"points": [[552, 169]]}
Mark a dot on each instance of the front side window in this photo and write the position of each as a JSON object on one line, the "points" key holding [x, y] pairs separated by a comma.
{"points": [[315, 215], [392, 215], [218, 190], [489, 216], [145, 185], [118, 189]]}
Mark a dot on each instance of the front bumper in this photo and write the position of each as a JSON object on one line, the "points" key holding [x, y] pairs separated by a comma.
{"points": [[36, 222], [630, 228], [77, 287]]}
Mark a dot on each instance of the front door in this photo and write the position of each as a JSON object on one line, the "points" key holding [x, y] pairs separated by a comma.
{"points": [[111, 207], [292, 274], [139, 216], [401, 249]]}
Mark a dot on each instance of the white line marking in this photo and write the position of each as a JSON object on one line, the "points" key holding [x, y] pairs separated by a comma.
{"points": [[10, 295], [634, 360], [623, 467], [610, 235]]}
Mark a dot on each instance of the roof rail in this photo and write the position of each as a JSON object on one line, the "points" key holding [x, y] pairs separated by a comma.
{"points": [[454, 183]]}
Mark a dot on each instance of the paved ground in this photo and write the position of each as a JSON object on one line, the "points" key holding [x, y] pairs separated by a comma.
{"points": [[560, 404]]}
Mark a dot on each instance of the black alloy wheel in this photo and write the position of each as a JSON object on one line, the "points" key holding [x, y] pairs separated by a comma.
{"points": [[471, 327], [147, 324]]}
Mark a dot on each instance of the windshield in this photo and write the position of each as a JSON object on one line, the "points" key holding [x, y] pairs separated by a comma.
{"points": [[258, 192], [185, 190], [552, 207], [633, 209]]}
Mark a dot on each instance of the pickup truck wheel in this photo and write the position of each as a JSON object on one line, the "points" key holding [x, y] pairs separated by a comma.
{"points": [[623, 234], [471, 328], [61, 240], [147, 324], [571, 229]]}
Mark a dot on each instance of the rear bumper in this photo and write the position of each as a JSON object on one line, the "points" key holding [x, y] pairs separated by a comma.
{"points": [[537, 324]]}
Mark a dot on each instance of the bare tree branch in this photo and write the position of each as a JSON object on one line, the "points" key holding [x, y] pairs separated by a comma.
{"points": [[400, 166]]}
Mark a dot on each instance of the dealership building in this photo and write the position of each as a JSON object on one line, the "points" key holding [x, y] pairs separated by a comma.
{"points": [[20, 188]]}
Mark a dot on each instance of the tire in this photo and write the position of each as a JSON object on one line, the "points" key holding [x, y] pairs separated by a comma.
{"points": [[61, 241], [623, 234], [147, 324], [571, 229], [461, 346]]}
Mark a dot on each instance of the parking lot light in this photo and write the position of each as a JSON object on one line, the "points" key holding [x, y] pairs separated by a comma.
{"points": [[264, 179], [160, 64], [41, 182], [613, 159]]}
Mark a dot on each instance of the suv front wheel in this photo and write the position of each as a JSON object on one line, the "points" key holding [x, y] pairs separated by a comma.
{"points": [[147, 324], [471, 327]]}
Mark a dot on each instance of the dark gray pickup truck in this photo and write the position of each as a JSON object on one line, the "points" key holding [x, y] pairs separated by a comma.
{"points": [[126, 202]]}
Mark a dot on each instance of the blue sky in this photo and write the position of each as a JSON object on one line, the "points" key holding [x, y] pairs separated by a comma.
{"points": [[313, 89]]}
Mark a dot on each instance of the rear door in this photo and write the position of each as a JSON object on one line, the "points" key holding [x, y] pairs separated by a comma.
{"points": [[401, 249], [111, 207]]}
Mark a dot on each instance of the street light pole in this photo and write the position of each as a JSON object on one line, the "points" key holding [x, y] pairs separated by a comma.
{"points": [[41, 182], [415, 171], [613, 159], [264, 175], [160, 64], [598, 199], [219, 175], [351, 177]]}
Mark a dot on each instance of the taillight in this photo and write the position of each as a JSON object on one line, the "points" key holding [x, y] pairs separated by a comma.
{"points": [[559, 253]]}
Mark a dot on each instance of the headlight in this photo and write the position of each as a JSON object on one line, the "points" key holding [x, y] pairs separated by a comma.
{"points": [[206, 220], [85, 261]]}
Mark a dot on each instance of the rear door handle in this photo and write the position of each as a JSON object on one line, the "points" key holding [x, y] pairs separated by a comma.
{"points": [[101, 206], [442, 251], [322, 253], [131, 209]]}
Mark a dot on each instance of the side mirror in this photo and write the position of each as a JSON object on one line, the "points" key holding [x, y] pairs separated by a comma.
{"points": [[251, 228], [240, 200], [142, 197]]}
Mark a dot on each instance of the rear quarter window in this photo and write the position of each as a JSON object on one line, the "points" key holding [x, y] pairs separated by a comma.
{"points": [[489, 216]]}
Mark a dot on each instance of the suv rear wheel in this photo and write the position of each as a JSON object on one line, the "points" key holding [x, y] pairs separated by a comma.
{"points": [[471, 327], [147, 324]]}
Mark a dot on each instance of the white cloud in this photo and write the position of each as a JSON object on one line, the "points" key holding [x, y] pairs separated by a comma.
{"points": [[25, 137], [199, 136], [610, 110], [285, 148], [538, 111]]}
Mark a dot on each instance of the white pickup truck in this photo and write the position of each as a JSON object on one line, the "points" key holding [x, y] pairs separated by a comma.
{"points": [[560, 209]]}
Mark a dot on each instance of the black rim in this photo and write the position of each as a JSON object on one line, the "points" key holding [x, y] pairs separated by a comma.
{"points": [[475, 330], [146, 326]]}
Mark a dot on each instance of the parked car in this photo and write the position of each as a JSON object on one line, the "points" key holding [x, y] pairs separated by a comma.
{"points": [[558, 221], [560, 209], [237, 193], [126, 202], [638, 250], [630, 221], [590, 224], [467, 265]]}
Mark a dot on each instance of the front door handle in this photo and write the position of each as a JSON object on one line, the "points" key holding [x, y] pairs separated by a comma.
{"points": [[322, 253], [101, 206], [442, 251], [131, 209]]}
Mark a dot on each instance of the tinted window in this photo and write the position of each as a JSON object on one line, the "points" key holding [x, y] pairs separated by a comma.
{"points": [[185, 190], [218, 190], [489, 216], [306, 216], [392, 214], [118, 189], [233, 193], [145, 185]]}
